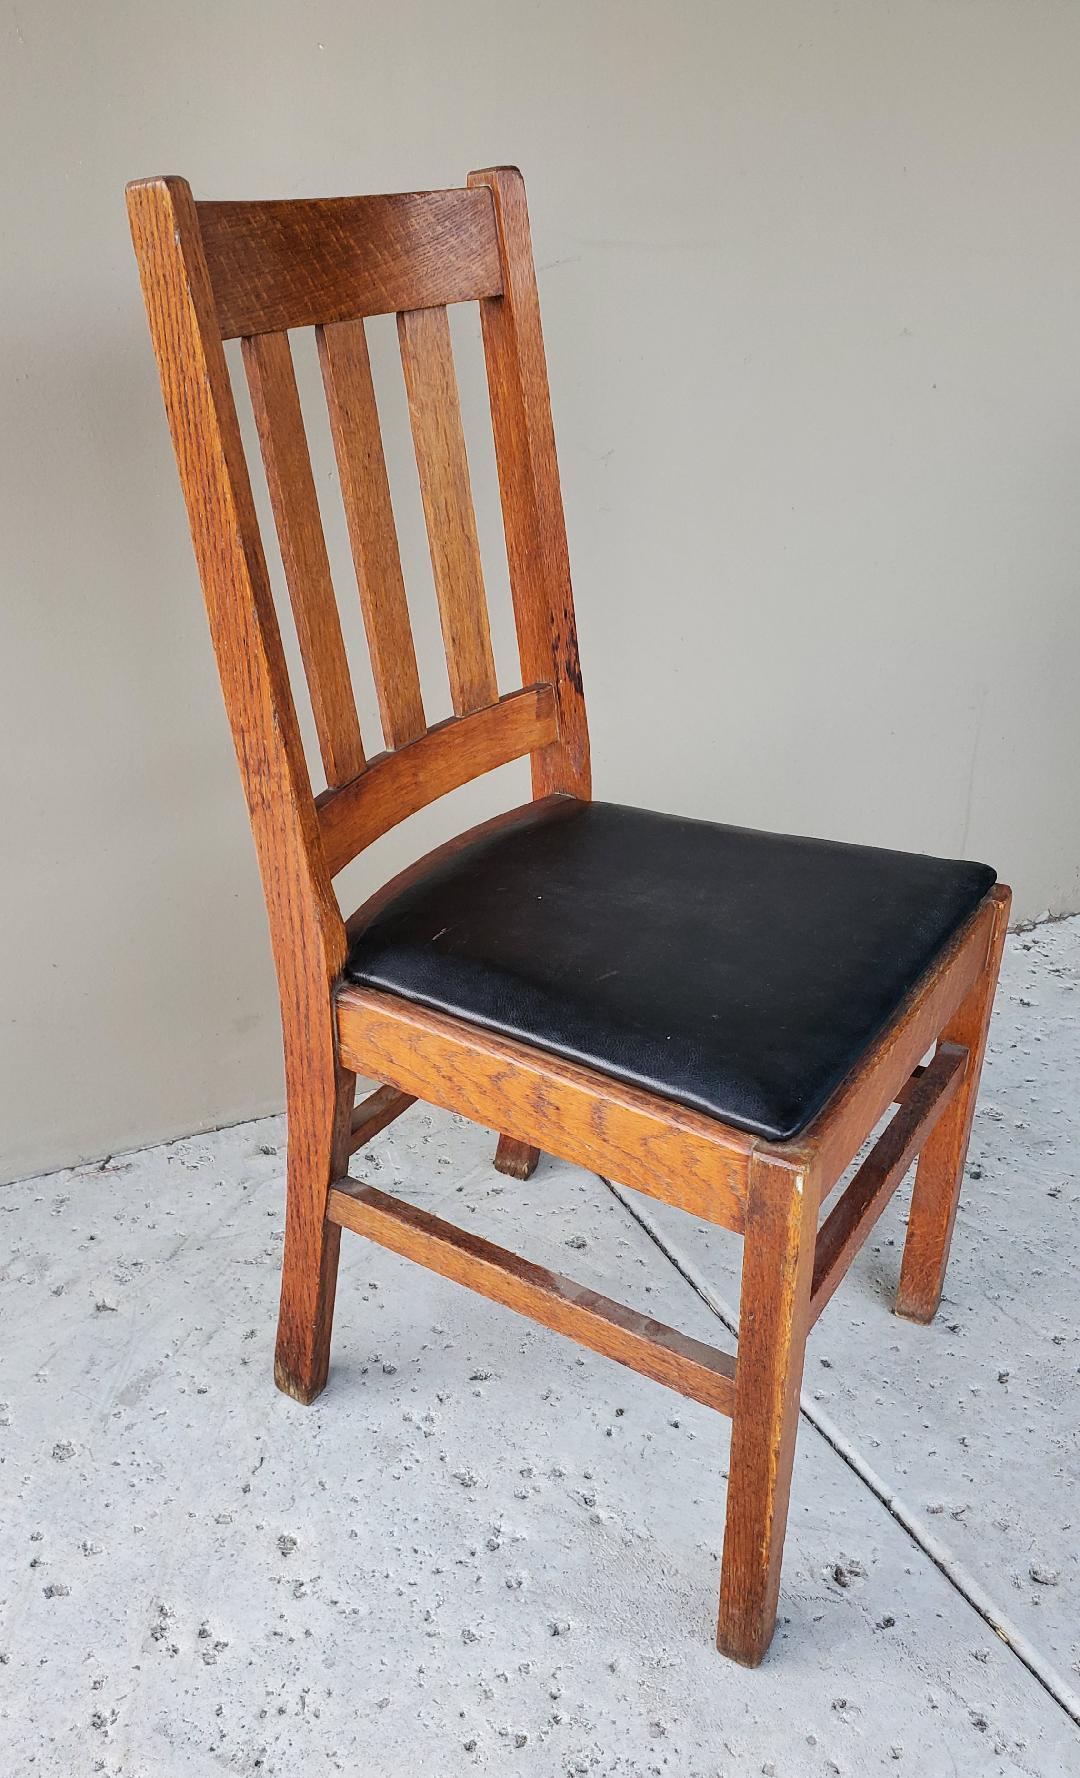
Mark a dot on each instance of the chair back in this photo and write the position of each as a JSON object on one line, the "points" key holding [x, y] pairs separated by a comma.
{"points": [[212, 272]]}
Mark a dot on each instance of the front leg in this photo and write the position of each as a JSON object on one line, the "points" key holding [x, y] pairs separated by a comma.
{"points": [[777, 1271]]}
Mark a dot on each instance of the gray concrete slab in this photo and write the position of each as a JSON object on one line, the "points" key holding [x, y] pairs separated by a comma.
{"points": [[485, 1551]]}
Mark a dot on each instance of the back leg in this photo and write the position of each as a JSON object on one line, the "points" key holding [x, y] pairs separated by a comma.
{"points": [[516, 1158], [940, 1172], [320, 1106]]}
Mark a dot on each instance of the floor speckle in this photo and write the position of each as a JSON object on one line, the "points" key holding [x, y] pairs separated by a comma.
{"points": [[483, 1550]]}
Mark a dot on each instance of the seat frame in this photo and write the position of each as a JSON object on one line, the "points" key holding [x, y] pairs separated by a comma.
{"points": [[211, 272]]}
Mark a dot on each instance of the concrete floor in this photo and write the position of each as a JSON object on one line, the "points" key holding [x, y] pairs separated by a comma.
{"points": [[485, 1551]]}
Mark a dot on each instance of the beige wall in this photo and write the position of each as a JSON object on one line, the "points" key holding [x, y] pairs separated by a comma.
{"points": [[811, 280]]}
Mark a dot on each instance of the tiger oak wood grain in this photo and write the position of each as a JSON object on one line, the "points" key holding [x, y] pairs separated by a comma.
{"points": [[306, 930]]}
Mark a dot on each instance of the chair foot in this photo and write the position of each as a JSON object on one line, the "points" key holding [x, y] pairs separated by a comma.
{"points": [[774, 1312], [940, 1173], [515, 1158], [302, 1390], [306, 1314], [319, 1115], [921, 1316]]}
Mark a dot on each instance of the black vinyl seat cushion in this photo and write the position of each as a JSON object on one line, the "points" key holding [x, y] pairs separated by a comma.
{"points": [[741, 973]]}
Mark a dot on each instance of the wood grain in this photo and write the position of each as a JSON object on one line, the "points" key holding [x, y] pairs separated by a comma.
{"points": [[636, 1340], [828, 1143], [365, 491], [620, 1131], [306, 929], [778, 1264], [516, 1159], [275, 402], [865, 1197], [257, 269], [529, 487], [396, 785], [439, 442], [300, 262], [940, 1172]]}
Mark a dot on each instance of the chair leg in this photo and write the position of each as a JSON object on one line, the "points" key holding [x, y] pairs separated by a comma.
{"points": [[516, 1158], [320, 1114], [940, 1172], [778, 1268]]}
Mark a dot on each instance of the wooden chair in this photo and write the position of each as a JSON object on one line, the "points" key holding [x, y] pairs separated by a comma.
{"points": [[714, 1017]]}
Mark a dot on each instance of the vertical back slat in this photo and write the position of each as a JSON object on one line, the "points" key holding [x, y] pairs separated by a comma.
{"points": [[365, 490], [276, 404], [439, 440], [529, 486]]}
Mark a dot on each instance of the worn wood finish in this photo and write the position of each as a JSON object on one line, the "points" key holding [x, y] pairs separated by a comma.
{"points": [[374, 1113], [257, 270], [365, 491], [529, 486], [396, 785], [306, 930], [439, 442], [516, 1159], [641, 1140], [865, 1197], [774, 1305], [275, 402], [305, 261], [941, 1166], [632, 1339]]}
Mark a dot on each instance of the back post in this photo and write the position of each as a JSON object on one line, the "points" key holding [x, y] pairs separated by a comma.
{"points": [[306, 929], [529, 487]]}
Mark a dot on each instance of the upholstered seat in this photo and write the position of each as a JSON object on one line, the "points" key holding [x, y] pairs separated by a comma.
{"points": [[742, 973]]}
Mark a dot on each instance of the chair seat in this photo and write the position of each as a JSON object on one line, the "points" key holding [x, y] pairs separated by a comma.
{"points": [[742, 973]]}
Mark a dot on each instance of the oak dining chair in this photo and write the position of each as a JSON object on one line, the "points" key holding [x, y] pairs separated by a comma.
{"points": [[718, 1017]]}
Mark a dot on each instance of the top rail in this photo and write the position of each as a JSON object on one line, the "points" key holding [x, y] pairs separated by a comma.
{"points": [[307, 261]]}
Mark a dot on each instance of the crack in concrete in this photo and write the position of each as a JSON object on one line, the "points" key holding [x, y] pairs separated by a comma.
{"points": [[936, 1551]]}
